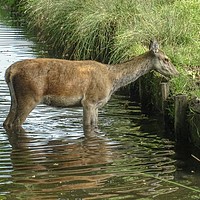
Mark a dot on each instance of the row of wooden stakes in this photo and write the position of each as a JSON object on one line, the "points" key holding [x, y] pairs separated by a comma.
{"points": [[186, 116]]}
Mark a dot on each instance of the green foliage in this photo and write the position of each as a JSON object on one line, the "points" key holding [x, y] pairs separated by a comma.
{"points": [[115, 30], [9, 3], [117, 27], [184, 84]]}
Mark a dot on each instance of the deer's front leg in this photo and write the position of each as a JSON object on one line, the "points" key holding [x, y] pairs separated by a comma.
{"points": [[90, 114]]}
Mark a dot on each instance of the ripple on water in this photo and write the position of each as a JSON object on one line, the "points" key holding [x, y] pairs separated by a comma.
{"points": [[54, 159], [61, 162]]}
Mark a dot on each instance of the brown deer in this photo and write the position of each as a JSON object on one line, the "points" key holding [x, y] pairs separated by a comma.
{"points": [[66, 83]]}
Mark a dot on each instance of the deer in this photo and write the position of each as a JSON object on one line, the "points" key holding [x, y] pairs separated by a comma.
{"points": [[70, 83]]}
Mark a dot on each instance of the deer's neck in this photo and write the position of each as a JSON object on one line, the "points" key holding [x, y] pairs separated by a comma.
{"points": [[128, 72]]}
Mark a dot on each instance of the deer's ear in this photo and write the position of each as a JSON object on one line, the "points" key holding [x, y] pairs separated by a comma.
{"points": [[153, 46]]}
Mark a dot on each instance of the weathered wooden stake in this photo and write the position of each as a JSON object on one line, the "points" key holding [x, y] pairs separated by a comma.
{"points": [[180, 124], [165, 94], [140, 89], [194, 122], [144, 98]]}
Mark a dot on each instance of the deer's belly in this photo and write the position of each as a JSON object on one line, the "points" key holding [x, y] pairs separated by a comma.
{"points": [[61, 101]]}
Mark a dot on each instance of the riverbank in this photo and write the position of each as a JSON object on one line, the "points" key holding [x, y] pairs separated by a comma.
{"points": [[114, 31]]}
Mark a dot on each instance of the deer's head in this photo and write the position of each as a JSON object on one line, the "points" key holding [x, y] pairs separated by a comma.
{"points": [[161, 63]]}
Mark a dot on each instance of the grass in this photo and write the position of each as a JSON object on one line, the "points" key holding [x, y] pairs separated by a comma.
{"points": [[8, 3], [114, 30]]}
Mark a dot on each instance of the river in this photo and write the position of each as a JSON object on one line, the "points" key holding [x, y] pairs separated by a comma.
{"points": [[53, 159]]}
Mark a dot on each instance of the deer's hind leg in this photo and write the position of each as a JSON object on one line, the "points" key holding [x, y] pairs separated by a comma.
{"points": [[11, 115], [23, 110], [22, 103], [19, 112]]}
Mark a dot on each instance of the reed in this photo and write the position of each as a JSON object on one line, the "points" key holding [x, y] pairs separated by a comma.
{"points": [[111, 31]]}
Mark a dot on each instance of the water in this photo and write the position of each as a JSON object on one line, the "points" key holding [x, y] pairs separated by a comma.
{"points": [[54, 159]]}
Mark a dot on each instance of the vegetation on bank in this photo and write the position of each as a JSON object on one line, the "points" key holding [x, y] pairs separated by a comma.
{"points": [[8, 3], [11, 5], [111, 31]]}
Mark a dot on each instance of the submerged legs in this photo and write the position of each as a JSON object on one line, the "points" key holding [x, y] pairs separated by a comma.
{"points": [[19, 111], [90, 114]]}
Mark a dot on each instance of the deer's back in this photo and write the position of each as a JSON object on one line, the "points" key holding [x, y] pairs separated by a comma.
{"points": [[57, 70], [60, 78]]}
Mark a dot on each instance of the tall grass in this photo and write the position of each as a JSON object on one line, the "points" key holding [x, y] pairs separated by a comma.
{"points": [[94, 28], [8, 3], [114, 30]]}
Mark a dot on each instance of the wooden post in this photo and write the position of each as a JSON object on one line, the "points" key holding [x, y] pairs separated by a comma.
{"points": [[165, 94], [180, 124], [140, 89], [144, 96], [194, 121], [143, 99]]}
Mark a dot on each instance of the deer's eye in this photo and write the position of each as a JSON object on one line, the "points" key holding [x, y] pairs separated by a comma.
{"points": [[166, 60]]}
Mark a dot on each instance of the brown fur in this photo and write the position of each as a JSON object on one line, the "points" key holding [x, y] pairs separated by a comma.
{"points": [[89, 84]]}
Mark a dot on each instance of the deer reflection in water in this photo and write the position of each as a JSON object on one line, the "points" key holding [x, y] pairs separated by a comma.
{"points": [[92, 166], [56, 165]]}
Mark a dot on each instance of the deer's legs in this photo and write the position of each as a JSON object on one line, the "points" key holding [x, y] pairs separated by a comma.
{"points": [[19, 111], [90, 117], [24, 107], [11, 116], [90, 114]]}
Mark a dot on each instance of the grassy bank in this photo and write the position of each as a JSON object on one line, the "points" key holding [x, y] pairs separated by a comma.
{"points": [[10, 5], [111, 31]]}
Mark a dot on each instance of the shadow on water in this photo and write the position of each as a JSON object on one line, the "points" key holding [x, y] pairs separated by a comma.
{"points": [[54, 159]]}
